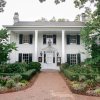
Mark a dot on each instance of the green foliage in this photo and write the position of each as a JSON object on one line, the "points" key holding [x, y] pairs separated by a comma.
{"points": [[92, 27], [97, 91], [34, 65], [78, 86], [81, 73], [82, 78], [15, 68], [10, 83], [5, 46], [64, 66], [55, 1], [3, 80], [90, 82], [71, 75], [2, 5], [17, 77], [24, 81], [97, 78], [28, 74]]}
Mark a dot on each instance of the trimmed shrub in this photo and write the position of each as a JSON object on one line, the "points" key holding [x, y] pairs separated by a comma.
{"points": [[15, 68], [34, 65], [28, 74], [3, 67], [64, 66], [72, 76], [10, 83]]}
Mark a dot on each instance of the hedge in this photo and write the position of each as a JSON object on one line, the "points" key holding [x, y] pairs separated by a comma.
{"points": [[28, 74], [74, 76]]}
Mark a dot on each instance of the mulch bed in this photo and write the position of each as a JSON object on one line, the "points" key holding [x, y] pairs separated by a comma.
{"points": [[68, 82], [30, 83]]}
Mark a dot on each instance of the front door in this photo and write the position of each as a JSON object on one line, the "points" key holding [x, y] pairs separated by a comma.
{"points": [[49, 57]]}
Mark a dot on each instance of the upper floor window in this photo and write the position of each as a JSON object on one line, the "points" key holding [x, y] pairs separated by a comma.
{"points": [[46, 38], [25, 38], [73, 39]]}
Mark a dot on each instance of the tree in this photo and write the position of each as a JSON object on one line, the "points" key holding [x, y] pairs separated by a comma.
{"points": [[2, 5], [5, 46], [91, 32], [55, 1], [61, 20]]}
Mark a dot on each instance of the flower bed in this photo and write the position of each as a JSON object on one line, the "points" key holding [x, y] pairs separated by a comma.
{"points": [[82, 79], [14, 79]]}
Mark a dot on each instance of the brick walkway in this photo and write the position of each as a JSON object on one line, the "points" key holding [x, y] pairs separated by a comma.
{"points": [[48, 86]]}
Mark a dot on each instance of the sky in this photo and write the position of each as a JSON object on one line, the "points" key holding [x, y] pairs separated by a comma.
{"points": [[30, 10]]}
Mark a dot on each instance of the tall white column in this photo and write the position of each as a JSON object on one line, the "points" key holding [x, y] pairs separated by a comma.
{"points": [[63, 46], [36, 44]]}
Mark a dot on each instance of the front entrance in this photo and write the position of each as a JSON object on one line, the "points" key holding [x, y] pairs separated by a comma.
{"points": [[49, 57]]}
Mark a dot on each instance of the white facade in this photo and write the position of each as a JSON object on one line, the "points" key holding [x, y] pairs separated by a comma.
{"points": [[49, 53]]}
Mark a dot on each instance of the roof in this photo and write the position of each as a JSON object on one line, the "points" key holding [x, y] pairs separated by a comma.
{"points": [[47, 23]]}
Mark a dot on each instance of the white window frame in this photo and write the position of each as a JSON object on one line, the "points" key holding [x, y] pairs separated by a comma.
{"points": [[73, 59], [25, 39], [73, 39]]}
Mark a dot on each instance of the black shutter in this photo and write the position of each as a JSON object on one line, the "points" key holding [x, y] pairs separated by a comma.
{"points": [[68, 39], [68, 58], [20, 38], [20, 57], [78, 58], [78, 39], [44, 39], [30, 38], [54, 39], [30, 57]]}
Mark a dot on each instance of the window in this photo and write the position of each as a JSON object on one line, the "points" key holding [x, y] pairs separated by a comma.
{"points": [[25, 38], [73, 59], [25, 57], [73, 39], [47, 37]]}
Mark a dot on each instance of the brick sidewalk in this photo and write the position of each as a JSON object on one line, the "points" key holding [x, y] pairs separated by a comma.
{"points": [[48, 86]]}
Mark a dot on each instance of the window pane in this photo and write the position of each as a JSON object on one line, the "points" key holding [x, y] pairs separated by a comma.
{"points": [[73, 39]]}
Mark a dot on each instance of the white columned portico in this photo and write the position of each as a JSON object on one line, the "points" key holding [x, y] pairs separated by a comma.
{"points": [[36, 43], [63, 46]]}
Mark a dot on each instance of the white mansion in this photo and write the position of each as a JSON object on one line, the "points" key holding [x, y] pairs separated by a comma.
{"points": [[50, 43]]}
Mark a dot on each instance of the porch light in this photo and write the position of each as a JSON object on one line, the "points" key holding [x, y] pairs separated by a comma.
{"points": [[41, 53], [57, 54]]}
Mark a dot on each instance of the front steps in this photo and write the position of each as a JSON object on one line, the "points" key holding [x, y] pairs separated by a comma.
{"points": [[45, 67]]}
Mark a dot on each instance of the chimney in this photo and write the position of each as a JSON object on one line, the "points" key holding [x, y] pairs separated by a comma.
{"points": [[16, 17], [83, 17]]}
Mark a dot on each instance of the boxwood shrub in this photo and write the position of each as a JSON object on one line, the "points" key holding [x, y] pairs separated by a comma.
{"points": [[34, 65], [13, 68], [28, 74]]}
